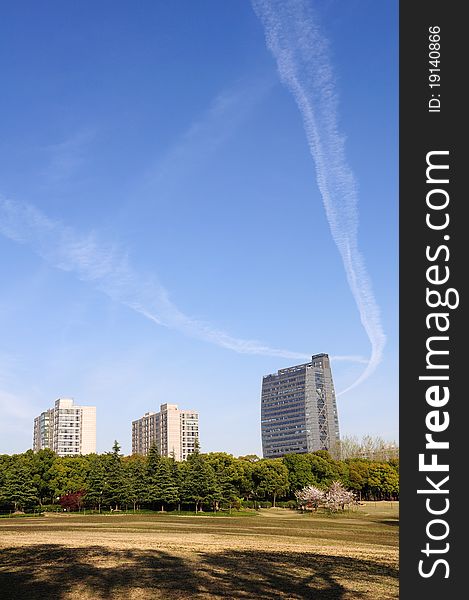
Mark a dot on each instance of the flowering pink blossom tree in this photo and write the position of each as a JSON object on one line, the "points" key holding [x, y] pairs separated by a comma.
{"points": [[310, 497], [338, 497], [335, 498]]}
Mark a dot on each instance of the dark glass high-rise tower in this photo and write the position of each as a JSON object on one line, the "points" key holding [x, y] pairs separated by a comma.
{"points": [[299, 409]]}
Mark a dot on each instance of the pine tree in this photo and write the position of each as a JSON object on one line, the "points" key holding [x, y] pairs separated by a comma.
{"points": [[228, 475], [135, 487], [199, 484], [96, 482], [154, 492], [167, 486], [176, 472], [18, 488], [42, 462], [114, 488]]}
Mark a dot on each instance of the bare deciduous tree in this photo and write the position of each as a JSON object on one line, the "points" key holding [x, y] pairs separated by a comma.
{"points": [[372, 448]]}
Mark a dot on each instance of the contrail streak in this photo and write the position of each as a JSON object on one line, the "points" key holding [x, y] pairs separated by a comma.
{"points": [[108, 268], [301, 52]]}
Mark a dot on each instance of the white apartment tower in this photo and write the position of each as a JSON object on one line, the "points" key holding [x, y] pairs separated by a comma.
{"points": [[144, 433], [173, 431], [43, 430], [67, 429]]}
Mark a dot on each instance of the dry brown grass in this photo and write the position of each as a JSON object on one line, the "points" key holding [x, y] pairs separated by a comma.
{"points": [[278, 554]]}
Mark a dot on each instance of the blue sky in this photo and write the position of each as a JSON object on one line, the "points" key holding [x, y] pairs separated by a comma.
{"points": [[167, 210]]}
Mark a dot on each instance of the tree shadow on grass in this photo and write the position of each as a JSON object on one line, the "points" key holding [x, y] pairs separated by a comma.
{"points": [[302, 576], [56, 572]]}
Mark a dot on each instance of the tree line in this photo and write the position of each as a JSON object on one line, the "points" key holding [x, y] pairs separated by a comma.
{"points": [[213, 481], [374, 448]]}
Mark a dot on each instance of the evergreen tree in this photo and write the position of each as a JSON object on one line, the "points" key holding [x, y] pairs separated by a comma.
{"points": [[115, 477], [154, 492], [18, 488], [68, 474], [323, 467], [134, 480], [358, 475], [199, 484], [271, 478], [229, 474], [383, 481], [176, 471], [167, 486], [300, 472], [41, 465], [246, 482], [96, 482], [227, 490]]}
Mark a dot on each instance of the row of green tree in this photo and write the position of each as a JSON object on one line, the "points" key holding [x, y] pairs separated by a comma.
{"points": [[204, 481]]}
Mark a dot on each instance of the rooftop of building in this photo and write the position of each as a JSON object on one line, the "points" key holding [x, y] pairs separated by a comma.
{"points": [[297, 368]]}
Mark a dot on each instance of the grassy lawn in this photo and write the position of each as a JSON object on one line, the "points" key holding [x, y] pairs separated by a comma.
{"points": [[274, 554]]}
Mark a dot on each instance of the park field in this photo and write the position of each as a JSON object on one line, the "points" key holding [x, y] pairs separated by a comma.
{"points": [[275, 553]]}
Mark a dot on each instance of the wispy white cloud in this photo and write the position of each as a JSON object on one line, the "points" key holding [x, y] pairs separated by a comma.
{"points": [[230, 108], [304, 65], [65, 158], [108, 268]]}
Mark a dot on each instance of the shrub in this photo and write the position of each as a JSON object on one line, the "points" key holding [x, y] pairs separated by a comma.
{"points": [[287, 504], [256, 504]]}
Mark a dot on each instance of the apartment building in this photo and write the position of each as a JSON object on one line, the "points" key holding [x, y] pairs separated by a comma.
{"points": [[144, 433], [67, 429], [43, 430], [172, 430]]}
